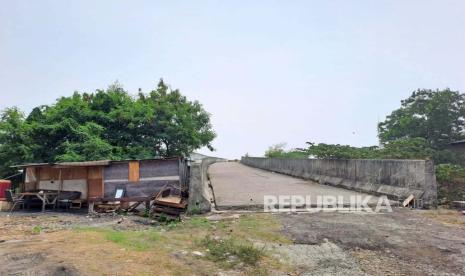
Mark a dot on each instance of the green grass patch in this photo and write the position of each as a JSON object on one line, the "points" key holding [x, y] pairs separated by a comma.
{"points": [[87, 229], [198, 222], [135, 240], [230, 252], [261, 227]]}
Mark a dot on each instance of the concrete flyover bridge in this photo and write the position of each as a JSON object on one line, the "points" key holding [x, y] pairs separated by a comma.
{"points": [[237, 186], [245, 184]]}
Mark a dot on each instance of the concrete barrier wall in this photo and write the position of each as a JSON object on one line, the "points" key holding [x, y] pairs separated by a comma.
{"points": [[396, 179], [200, 193]]}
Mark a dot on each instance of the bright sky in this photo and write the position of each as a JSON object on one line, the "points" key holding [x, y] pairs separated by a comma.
{"points": [[267, 71]]}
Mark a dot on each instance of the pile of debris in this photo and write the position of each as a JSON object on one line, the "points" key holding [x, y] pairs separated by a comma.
{"points": [[169, 202]]}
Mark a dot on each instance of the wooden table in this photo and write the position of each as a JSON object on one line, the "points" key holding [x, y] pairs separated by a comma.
{"points": [[46, 197], [93, 200]]}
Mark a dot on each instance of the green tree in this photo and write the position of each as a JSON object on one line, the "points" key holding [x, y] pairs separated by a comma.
{"points": [[107, 124], [279, 151], [329, 151], [14, 141], [407, 148], [437, 116], [275, 151], [180, 126]]}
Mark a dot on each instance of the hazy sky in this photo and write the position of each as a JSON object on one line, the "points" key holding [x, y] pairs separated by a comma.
{"points": [[267, 71]]}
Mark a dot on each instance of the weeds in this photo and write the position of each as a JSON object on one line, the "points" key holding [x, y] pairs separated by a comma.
{"points": [[146, 213], [194, 211], [36, 229], [229, 252]]}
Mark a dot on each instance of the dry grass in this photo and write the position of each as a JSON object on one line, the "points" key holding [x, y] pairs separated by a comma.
{"points": [[447, 216], [105, 252], [162, 250]]}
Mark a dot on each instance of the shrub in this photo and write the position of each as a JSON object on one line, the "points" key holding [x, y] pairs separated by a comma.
{"points": [[449, 172], [451, 182]]}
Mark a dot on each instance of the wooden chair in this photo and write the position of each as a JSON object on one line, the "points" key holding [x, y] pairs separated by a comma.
{"points": [[12, 199]]}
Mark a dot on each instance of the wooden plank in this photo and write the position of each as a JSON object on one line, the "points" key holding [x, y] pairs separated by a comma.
{"points": [[170, 199], [49, 173], [134, 206], [45, 173], [169, 211], [123, 199], [95, 173], [407, 200], [94, 188], [74, 173], [80, 173], [66, 174], [133, 171], [30, 186], [181, 205], [31, 175]]}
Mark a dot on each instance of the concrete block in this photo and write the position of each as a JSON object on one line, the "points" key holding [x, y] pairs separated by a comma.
{"points": [[200, 193]]}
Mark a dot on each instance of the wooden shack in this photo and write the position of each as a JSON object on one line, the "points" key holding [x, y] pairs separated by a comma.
{"points": [[98, 180]]}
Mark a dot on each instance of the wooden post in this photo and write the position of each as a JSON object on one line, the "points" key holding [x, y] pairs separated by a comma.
{"points": [[42, 197], [60, 187], [91, 207]]}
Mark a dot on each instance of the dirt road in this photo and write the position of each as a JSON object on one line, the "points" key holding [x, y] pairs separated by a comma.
{"points": [[239, 186]]}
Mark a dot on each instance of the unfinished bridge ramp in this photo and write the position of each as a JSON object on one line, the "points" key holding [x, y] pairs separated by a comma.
{"points": [[237, 186]]}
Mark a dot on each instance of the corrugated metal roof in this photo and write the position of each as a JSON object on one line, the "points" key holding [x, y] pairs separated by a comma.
{"points": [[85, 163], [30, 165], [66, 164], [149, 159]]}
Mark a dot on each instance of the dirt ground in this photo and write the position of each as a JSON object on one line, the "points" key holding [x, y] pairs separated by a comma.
{"points": [[406, 242]]}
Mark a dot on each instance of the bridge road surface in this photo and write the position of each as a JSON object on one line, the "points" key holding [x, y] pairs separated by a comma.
{"points": [[237, 186]]}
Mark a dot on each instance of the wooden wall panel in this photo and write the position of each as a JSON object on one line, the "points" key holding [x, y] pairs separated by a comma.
{"points": [[95, 188], [49, 173], [74, 173], [80, 173], [66, 173], [44, 173], [95, 173], [133, 171], [29, 187], [31, 175]]}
